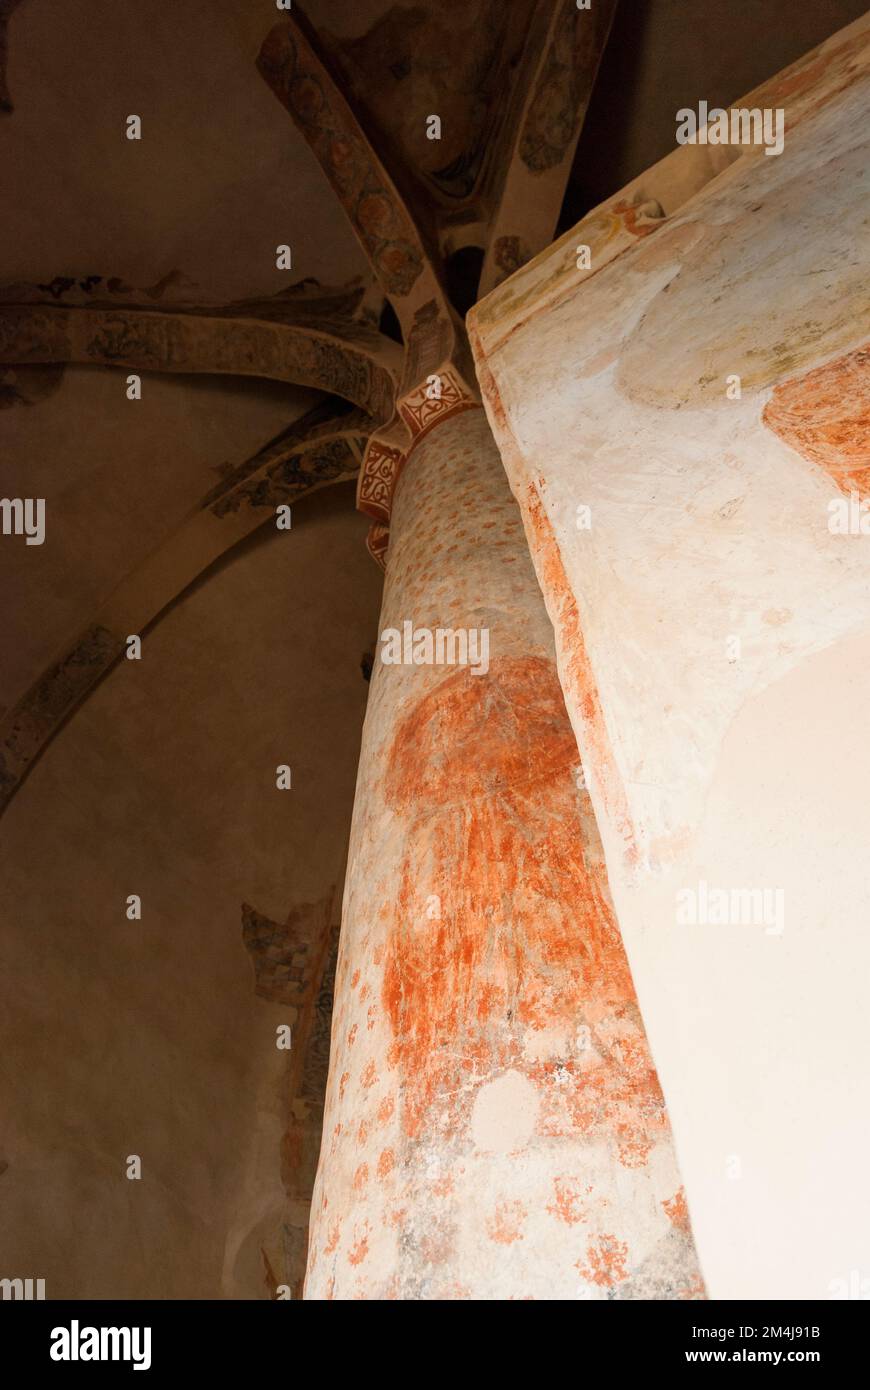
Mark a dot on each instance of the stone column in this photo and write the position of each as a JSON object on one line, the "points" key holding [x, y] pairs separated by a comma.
{"points": [[684, 415], [494, 1127]]}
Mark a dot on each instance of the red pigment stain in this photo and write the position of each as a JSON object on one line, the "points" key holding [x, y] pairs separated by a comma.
{"points": [[622, 1086], [472, 736], [579, 676], [568, 1205], [351, 1037], [677, 1210], [526, 939], [385, 1164], [342, 1085], [332, 1243], [506, 1224], [360, 1177], [825, 416], [605, 1262], [385, 1110], [695, 1290], [628, 212], [362, 1133], [355, 980], [360, 1247], [369, 1076], [829, 73]]}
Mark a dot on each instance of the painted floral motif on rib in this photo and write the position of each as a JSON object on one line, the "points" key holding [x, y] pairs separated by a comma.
{"points": [[377, 543], [426, 405], [49, 701], [563, 87], [291, 476], [379, 219], [380, 470]]}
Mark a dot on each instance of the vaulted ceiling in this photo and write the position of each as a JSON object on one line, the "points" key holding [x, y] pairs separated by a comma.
{"points": [[260, 385]]}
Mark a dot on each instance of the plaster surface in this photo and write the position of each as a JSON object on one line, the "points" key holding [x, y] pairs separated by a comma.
{"points": [[712, 635], [494, 1127], [179, 203], [146, 1037]]}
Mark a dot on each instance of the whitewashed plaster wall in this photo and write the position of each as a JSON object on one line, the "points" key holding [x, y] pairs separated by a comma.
{"points": [[710, 521]]}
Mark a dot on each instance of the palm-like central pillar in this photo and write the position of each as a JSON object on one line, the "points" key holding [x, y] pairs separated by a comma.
{"points": [[494, 1126]]}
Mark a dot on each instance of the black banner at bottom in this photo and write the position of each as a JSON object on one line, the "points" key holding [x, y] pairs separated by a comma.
{"points": [[156, 1338]]}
